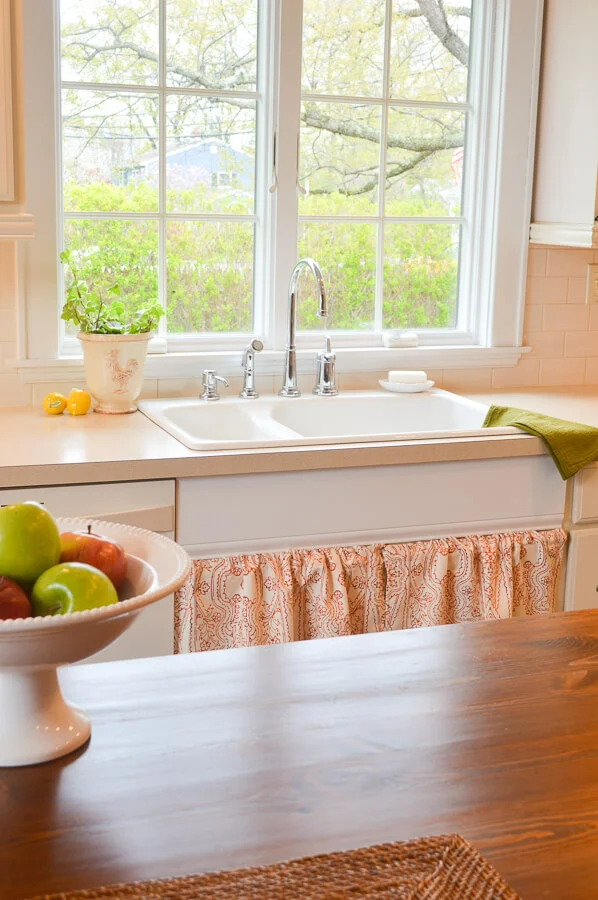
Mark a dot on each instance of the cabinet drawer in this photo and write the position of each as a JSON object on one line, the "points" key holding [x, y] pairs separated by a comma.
{"points": [[584, 507], [144, 504]]}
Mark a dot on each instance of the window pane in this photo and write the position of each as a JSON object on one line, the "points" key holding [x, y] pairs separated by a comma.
{"points": [[211, 44], [346, 253], [210, 160], [421, 265], [340, 150], [108, 139], [210, 276], [424, 162], [429, 50], [116, 251], [111, 42], [343, 47]]}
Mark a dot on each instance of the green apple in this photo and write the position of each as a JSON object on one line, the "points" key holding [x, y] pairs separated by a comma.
{"points": [[29, 542], [71, 587]]}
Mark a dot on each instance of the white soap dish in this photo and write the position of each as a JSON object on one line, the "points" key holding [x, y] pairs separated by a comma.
{"points": [[398, 387]]}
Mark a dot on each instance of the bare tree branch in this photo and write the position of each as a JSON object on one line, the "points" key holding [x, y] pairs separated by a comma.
{"points": [[438, 22], [411, 13], [368, 186], [315, 119]]}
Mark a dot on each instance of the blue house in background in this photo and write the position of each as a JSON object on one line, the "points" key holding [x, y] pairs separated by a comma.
{"points": [[209, 162]]}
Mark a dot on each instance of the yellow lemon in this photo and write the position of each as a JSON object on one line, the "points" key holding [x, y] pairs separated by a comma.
{"points": [[78, 402], [54, 404]]}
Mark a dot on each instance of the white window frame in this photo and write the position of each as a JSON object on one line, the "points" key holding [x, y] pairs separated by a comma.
{"points": [[505, 54]]}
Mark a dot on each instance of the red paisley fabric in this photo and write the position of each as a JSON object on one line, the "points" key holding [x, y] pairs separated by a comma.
{"points": [[271, 598]]}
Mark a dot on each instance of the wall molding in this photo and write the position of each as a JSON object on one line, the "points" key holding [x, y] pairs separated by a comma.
{"points": [[16, 226], [7, 177], [563, 234]]}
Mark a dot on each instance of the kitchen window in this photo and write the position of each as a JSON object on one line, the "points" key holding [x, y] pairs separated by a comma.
{"points": [[194, 149]]}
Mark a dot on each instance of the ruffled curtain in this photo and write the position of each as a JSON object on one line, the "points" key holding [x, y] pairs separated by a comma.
{"points": [[269, 598]]}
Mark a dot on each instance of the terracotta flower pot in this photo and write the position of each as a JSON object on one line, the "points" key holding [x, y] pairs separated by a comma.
{"points": [[114, 366]]}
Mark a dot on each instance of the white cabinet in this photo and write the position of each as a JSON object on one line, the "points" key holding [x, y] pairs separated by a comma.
{"points": [[6, 127], [581, 584], [567, 146], [145, 504]]}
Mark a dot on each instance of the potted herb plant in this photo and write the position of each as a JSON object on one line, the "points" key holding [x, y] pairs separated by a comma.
{"points": [[114, 338]]}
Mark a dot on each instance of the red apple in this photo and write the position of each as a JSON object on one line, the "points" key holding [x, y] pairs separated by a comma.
{"points": [[95, 550], [14, 602]]}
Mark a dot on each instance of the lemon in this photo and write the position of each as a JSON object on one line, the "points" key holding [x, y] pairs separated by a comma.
{"points": [[54, 404], [78, 402]]}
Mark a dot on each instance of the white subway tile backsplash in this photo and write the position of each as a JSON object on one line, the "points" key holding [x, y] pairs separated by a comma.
{"points": [[576, 291], [467, 379], [581, 343], [525, 374], [544, 343], [546, 290], [533, 318], [8, 350], [554, 372], [570, 262], [592, 371], [537, 261], [566, 317], [13, 392]]}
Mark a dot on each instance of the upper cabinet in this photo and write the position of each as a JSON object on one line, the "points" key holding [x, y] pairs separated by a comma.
{"points": [[7, 178], [15, 223], [565, 199]]}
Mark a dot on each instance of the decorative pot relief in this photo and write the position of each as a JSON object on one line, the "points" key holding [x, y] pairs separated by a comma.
{"points": [[120, 377], [114, 366]]}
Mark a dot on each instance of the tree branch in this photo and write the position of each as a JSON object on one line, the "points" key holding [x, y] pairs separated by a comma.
{"points": [[322, 122], [391, 174], [410, 13], [438, 22]]}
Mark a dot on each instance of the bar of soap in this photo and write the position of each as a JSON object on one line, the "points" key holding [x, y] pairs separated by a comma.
{"points": [[406, 377]]}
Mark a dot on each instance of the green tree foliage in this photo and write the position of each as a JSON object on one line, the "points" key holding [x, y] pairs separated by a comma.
{"points": [[111, 138]]}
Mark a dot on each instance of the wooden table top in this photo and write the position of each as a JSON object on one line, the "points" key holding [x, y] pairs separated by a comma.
{"points": [[242, 757]]}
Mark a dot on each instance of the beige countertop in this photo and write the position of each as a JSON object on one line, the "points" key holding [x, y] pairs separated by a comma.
{"points": [[36, 449]]}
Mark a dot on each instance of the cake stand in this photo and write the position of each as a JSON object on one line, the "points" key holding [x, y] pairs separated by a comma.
{"points": [[36, 723]]}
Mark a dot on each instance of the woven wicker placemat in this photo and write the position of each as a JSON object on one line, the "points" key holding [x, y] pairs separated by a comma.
{"points": [[433, 868]]}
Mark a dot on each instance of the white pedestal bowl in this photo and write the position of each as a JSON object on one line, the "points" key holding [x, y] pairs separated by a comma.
{"points": [[36, 724]]}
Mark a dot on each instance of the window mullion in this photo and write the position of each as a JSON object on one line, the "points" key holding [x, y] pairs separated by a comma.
{"points": [[379, 299], [162, 264], [288, 123]]}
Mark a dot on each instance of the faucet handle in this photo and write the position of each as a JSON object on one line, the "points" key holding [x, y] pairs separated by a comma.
{"points": [[209, 382], [326, 371]]}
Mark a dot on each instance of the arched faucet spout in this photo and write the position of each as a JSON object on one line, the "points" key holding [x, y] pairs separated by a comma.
{"points": [[289, 386]]}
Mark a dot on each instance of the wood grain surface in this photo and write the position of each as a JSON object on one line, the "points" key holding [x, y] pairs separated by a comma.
{"points": [[242, 757]]}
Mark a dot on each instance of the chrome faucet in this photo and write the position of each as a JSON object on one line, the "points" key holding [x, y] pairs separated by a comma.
{"points": [[289, 387], [209, 384], [326, 372], [249, 392]]}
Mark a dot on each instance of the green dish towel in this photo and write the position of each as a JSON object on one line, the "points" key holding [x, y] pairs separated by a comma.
{"points": [[571, 445]]}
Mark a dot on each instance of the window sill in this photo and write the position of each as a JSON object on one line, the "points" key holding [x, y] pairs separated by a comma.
{"points": [[358, 359]]}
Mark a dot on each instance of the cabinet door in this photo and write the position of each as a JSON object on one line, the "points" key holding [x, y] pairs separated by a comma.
{"points": [[6, 133], [581, 582]]}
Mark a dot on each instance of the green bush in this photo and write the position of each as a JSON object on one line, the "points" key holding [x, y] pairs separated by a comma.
{"points": [[210, 265]]}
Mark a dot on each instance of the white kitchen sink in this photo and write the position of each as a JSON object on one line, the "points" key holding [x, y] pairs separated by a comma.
{"points": [[352, 416]]}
